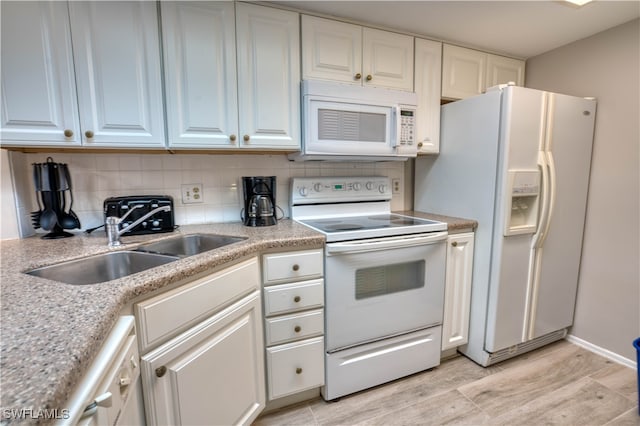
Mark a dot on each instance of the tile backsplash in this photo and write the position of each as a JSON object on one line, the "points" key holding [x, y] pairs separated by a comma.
{"points": [[98, 176]]}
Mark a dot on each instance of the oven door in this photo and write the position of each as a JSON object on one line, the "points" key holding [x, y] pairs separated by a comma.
{"points": [[377, 288]]}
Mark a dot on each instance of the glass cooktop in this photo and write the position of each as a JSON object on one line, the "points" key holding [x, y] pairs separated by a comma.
{"points": [[373, 226]]}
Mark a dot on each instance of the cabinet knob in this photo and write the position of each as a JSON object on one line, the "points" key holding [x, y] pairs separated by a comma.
{"points": [[296, 267], [298, 370], [420, 144], [161, 371], [297, 329], [296, 299], [246, 138], [369, 78], [358, 76], [454, 243], [68, 133], [88, 134], [233, 138]]}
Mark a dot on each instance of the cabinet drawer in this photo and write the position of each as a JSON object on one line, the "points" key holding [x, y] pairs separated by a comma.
{"points": [[163, 316], [279, 267], [291, 327], [293, 297], [295, 367]]}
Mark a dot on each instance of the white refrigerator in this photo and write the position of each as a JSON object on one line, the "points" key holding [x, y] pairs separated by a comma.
{"points": [[517, 160]]}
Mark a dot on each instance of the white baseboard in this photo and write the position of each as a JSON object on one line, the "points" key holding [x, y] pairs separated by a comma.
{"points": [[602, 351]]}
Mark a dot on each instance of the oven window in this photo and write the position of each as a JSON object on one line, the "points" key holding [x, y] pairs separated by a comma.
{"points": [[387, 279]]}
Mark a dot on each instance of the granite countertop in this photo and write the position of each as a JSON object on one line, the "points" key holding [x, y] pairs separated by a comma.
{"points": [[455, 224], [50, 331]]}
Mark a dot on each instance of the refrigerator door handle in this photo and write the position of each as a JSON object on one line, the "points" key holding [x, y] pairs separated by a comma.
{"points": [[552, 196], [544, 211]]}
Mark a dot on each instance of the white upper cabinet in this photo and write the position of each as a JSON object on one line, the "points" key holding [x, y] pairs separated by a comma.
{"points": [[463, 72], [214, 103], [387, 59], [39, 105], [358, 55], [501, 70], [468, 72], [268, 54], [428, 58], [117, 63], [200, 73], [331, 50]]}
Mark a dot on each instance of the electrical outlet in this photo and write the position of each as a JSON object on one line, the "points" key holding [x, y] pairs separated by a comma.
{"points": [[396, 185], [192, 193]]}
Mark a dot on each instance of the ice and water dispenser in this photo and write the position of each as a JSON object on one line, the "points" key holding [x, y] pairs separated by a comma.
{"points": [[522, 202]]}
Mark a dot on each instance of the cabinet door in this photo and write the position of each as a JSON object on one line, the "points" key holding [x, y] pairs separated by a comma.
{"points": [[39, 105], [463, 72], [268, 49], [428, 73], [457, 294], [200, 74], [117, 59], [501, 70], [387, 59], [331, 50], [295, 367], [211, 374]]}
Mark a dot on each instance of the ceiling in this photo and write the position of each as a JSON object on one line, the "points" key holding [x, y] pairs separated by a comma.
{"points": [[522, 29]]}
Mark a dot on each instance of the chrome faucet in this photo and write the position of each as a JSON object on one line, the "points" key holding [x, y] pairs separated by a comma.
{"points": [[112, 222]]}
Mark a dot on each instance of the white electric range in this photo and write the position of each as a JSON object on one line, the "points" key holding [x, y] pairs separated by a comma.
{"points": [[384, 281]]}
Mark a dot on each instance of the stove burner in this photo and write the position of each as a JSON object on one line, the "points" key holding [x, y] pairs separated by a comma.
{"points": [[345, 227]]}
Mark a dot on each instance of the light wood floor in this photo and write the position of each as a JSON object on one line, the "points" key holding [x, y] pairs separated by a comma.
{"points": [[560, 384]]}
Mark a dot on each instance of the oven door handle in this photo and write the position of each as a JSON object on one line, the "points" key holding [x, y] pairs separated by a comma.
{"points": [[349, 247]]}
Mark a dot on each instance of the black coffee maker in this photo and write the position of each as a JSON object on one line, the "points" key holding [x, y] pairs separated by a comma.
{"points": [[259, 200]]}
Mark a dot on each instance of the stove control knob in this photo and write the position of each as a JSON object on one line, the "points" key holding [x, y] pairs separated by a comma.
{"points": [[357, 186], [317, 187], [369, 185], [382, 189], [303, 191]]}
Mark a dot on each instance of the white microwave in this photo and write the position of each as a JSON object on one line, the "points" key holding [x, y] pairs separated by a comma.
{"points": [[347, 122]]}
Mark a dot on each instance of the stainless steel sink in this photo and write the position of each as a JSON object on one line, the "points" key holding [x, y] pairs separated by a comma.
{"points": [[102, 267], [188, 245]]}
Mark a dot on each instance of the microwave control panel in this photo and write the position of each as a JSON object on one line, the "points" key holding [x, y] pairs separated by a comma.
{"points": [[407, 126]]}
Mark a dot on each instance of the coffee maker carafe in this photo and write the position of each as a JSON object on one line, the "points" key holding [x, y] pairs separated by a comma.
{"points": [[259, 200]]}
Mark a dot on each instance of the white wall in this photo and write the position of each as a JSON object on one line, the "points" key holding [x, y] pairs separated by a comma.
{"points": [[99, 176], [606, 66]]}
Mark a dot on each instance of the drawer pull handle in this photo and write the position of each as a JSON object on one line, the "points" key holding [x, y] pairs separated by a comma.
{"points": [[298, 370], [160, 371], [296, 267], [296, 299], [297, 329], [455, 244]]}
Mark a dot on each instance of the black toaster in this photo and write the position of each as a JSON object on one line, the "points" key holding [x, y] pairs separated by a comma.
{"points": [[158, 222]]}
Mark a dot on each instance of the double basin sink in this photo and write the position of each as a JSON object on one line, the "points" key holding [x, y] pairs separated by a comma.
{"points": [[118, 264]]}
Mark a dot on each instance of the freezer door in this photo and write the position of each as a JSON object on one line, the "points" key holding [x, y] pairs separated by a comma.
{"points": [[570, 139], [522, 135]]}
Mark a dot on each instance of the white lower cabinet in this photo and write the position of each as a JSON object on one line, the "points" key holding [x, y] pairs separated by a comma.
{"points": [[295, 367], [457, 294], [294, 322], [212, 373]]}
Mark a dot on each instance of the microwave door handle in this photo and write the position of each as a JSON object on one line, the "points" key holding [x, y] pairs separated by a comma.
{"points": [[396, 127], [351, 247]]}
